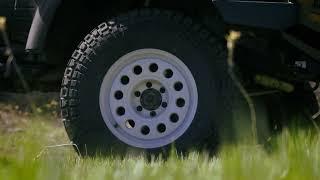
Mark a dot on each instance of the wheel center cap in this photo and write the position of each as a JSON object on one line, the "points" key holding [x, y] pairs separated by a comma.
{"points": [[151, 99]]}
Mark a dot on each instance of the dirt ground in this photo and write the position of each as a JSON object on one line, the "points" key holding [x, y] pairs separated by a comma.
{"points": [[17, 109]]}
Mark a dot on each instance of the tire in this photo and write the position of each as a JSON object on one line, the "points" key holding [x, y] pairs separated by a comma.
{"points": [[164, 31]]}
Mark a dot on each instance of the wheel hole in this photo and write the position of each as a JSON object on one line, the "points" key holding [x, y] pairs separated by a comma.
{"points": [[118, 95], [153, 113], [153, 67], [130, 124], [162, 90], [164, 104], [178, 86], [137, 70], [121, 111], [174, 117], [139, 108], [125, 80], [161, 128], [145, 130], [168, 73], [137, 93], [180, 102]]}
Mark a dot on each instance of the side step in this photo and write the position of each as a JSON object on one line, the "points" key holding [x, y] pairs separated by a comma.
{"points": [[272, 15]]}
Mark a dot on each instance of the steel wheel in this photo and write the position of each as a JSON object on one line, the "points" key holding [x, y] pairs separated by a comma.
{"points": [[148, 98]]}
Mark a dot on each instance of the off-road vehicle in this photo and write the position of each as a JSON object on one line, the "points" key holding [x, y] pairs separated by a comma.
{"points": [[149, 74]]}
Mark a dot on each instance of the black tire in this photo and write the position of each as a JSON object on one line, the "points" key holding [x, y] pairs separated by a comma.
{"points": [[203, 53]]}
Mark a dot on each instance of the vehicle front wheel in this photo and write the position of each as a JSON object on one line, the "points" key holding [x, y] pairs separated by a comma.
{"points": [[145, 81]]}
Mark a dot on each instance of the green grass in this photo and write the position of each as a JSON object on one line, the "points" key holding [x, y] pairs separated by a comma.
{"points": [[292, 155]]}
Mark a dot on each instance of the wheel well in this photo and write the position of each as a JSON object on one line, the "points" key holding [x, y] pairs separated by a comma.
{"points": [[74, 19]]}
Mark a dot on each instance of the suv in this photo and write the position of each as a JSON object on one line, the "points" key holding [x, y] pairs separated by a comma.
{"points": [[156, 72]]}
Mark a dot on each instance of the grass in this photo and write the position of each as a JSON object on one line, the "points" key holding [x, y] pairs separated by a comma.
{"points": [[293, 154]]}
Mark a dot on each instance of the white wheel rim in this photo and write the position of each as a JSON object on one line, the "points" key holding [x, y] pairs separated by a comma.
{"points": [[165, 115]]}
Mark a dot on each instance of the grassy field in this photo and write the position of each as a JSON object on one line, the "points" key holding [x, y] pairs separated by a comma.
{"points": [[294, 154]]}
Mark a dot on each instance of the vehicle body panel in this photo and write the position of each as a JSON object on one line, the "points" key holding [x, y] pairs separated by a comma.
{"points": [[249, 13], [271, 15]]}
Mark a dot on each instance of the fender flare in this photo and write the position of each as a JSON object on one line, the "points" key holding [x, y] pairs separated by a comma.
{"points": [[40, 24]]}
